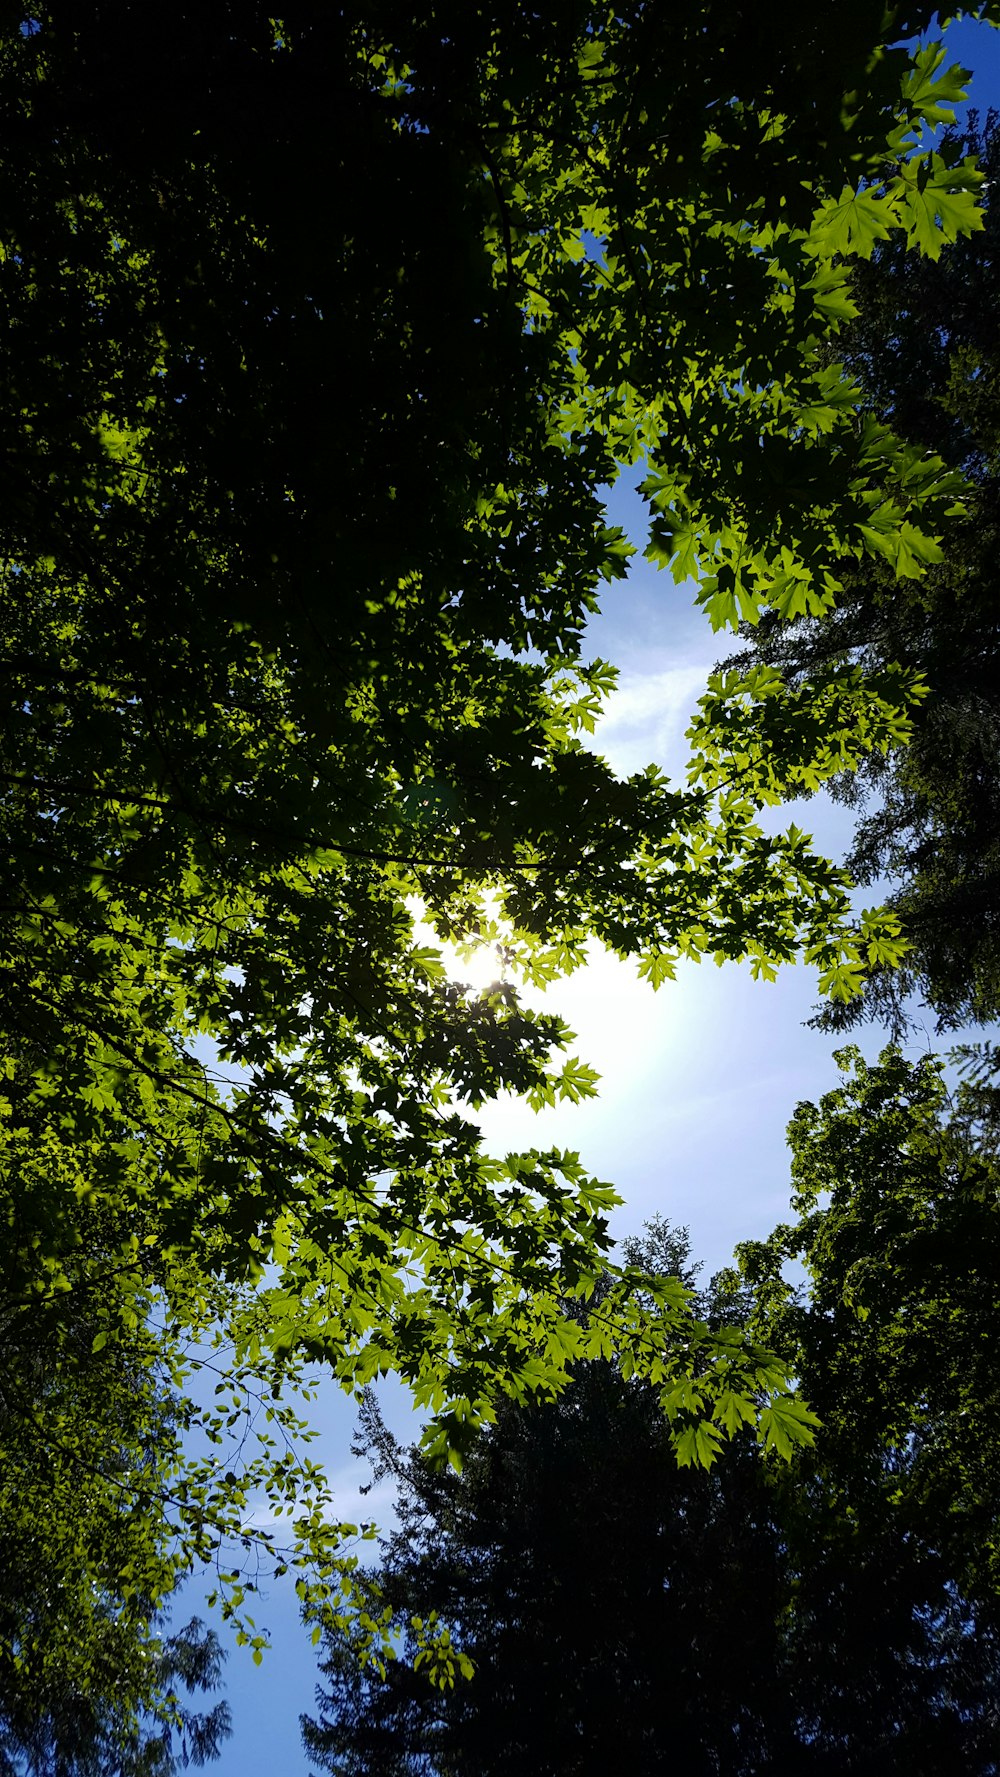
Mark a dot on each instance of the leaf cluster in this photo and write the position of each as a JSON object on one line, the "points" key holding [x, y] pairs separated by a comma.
{"points": [[302, 525], [615, 1608], [924, 349]]}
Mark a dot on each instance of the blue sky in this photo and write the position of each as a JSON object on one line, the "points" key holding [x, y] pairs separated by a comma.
{"points": [[698, 1081]]}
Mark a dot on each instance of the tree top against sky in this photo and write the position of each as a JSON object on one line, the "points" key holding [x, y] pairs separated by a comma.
{"points": [[325, 335]]}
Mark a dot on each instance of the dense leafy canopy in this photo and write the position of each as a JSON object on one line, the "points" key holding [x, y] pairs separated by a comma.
{"points": [[306, 431], [898, 1227], [91, 1680], [68, 1731], [926, 350], [583, 1604]]}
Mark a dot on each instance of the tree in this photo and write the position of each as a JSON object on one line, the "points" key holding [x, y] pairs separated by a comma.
{"points": [[925, 348], [301, 530], [579, 1600], [135, 1442], [95, 1733], [583, 1603], [898, 1229], [91, 1430]]}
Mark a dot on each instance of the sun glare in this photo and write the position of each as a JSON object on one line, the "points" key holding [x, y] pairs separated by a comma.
{"points": [[478, 972]]}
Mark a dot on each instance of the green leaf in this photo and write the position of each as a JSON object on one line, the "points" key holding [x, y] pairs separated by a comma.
{"points": [[698, 1445], [852, 224], [785, 1423], [931, 95], [938, 204]]}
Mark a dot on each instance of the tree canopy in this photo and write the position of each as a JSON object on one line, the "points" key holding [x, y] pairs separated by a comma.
{"points": [[594, 1606], [134, 1724], [307, 427], [897, 1220], [925, 348]]}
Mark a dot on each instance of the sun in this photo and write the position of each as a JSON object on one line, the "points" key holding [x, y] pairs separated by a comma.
{"points": [[478, 971], [488, 961]]}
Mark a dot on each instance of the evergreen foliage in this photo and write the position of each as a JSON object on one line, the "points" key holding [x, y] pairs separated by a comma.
{"points": [[593, 1606]]}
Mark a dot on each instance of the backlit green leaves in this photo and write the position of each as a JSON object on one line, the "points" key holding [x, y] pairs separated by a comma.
{"points": [[897, 1227], [308, 435], [853, 222], [933, 201], [931, 89], [786, 1423], [936, 203]]}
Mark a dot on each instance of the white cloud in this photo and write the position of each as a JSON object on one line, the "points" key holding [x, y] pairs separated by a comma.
{"points": [[646, 716]]}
